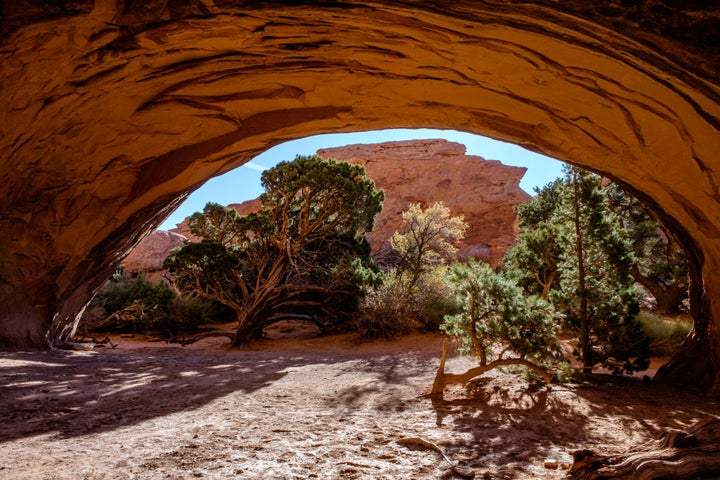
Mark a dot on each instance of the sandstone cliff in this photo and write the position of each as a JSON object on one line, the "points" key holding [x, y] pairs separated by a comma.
{"points": [[148, 256], [429, 171]]}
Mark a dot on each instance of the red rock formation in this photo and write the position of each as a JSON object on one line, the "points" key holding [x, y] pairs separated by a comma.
{"points": [[148, 256], [430, 171]]}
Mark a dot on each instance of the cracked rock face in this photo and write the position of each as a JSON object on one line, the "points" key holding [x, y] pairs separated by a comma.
{"points": [[112, 111]]}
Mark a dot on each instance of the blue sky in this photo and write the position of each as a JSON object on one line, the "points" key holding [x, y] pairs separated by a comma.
{"points": [[243, 183]]}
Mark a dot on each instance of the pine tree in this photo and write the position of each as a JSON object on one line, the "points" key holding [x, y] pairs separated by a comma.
{"points": [[661, 266], [574, 248]]}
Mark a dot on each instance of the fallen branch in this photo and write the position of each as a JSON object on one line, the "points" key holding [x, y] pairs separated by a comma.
{"points": [[443, 379], [678, 454], [461, 470], [85, 337]]}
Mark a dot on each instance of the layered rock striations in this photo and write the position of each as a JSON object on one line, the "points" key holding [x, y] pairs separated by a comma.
{"points": [[113, 111]]}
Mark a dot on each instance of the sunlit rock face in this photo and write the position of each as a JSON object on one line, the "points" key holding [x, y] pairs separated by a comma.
{"points": [[113, 110], [425, 172]]}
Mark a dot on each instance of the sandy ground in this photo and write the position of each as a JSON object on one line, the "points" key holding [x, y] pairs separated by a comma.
{"points": [[325, 408]]}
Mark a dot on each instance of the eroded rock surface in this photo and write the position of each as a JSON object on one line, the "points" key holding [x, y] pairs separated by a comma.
{"points": [[148, 256], [113, 111], [425, 172]]}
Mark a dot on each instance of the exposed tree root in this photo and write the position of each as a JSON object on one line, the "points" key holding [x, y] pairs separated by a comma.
{"points": [[678, 454], [443, 379], [462, 470]]}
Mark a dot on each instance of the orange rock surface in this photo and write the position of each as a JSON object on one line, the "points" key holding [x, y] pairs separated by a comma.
{"points": [[429, 171]]}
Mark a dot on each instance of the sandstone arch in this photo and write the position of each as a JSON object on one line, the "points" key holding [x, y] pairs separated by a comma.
{"points": [[114, 111]]}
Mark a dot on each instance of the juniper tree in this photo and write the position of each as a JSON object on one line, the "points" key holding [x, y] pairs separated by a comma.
{"points": [[296, 254], [661, 266]]}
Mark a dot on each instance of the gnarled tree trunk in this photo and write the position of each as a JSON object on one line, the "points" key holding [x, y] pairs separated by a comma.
{"points": [[676, 455], [443, 379]]}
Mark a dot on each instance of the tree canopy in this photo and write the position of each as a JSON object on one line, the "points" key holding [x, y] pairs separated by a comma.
{"points": [[296, 255], [498, 324], [574, 252], [661, 266]]}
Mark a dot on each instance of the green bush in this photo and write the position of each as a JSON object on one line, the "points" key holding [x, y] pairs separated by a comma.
{"points": [[436, 312], [159, 310], [666, 333], [184, 314]]}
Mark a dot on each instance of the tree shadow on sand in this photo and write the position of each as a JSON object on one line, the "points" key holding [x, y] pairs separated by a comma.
{"points": [[79, 393], [516, 425]]}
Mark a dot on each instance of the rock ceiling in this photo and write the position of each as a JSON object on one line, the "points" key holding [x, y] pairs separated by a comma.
{"points": [[112, 111]]}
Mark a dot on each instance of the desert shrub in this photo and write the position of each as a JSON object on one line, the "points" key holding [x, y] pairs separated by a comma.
{"points": [[666, 333], [414, 295], [397, 307], [436, 312], [152, 308], [115, 293], [382, 312], [183, 315]]}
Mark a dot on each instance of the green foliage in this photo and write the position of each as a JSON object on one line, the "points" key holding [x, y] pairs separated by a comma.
{"points": [[574, 253], [184, 314], [158, 310], [298, 253], [216, 223], [112, 296], [533, 261], [666, 333], [497, 319], [661, 266]]}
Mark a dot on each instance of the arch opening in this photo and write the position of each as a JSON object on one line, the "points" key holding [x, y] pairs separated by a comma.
{"points": [[117, 112]]}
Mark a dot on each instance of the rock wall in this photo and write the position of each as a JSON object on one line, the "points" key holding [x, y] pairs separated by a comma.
{"points": [[148, 256]]}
